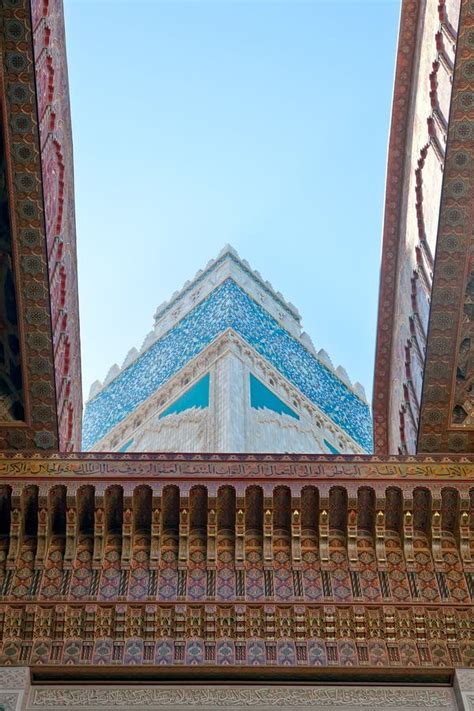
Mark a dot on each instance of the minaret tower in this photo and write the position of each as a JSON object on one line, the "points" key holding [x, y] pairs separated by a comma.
{"points": [[227, 368]]}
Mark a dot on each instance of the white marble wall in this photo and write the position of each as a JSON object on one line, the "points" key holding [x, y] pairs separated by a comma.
{"points": [[267, 428], [183, 432]]}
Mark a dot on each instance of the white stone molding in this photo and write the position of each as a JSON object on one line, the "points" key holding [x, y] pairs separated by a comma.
{"points": [[227, 263], [342, 375], [148, 341], [325, 359], [177, 431], [291, 434], [307, 342]]}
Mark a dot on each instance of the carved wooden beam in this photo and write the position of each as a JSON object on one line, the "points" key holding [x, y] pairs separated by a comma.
{"points": [[42, 534], [211, 532], [268, 531], [156, 533], [240, 532], [183, 533], [296, 531], [99, 532], [352, 534], [408, 533], [127, 526], [324, 531]]}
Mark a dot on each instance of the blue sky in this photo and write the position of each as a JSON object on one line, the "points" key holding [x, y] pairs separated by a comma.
{"points": [[256, 122]]}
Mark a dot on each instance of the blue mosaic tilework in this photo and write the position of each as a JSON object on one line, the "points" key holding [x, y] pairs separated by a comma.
{"points": [[228, 306]]}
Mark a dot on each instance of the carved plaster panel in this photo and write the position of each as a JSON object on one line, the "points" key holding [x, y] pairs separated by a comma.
{"points": [[14, 682], [238, 698]]}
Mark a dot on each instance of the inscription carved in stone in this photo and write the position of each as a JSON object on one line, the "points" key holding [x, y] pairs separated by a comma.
{"points": [[270, 697]]}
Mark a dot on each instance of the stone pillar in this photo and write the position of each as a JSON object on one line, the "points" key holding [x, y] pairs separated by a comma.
{"points": [[14, 687], [464, 689], [230, 398]]}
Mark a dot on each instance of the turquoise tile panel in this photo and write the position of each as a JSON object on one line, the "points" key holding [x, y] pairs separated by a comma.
{"points": [[196, 396], [261, 397]]}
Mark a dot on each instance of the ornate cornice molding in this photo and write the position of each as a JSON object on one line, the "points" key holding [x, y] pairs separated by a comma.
{"points": [[217, 637]]}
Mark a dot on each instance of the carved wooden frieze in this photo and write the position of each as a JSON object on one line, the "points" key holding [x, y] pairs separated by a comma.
{"points": [[36, 428], [98, 465], [448, 390]]}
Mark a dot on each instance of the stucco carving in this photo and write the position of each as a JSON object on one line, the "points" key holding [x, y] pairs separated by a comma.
{"points": [[465, 679], [264, 697], [14, 677]]}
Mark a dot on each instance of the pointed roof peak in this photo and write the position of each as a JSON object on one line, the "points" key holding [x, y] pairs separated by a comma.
{"points": [[228, 249], [228, 253]]}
